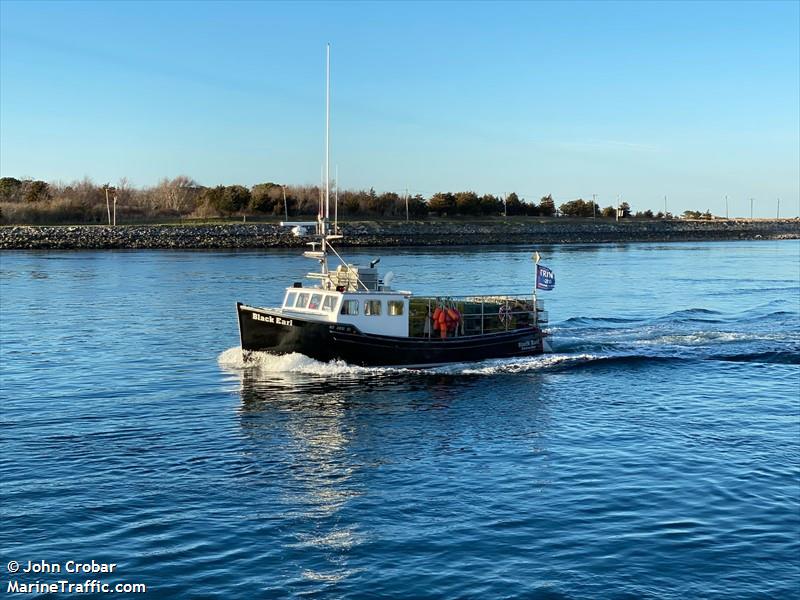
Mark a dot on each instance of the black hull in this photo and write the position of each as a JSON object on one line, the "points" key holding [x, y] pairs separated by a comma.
{"points": [[269, 331]]}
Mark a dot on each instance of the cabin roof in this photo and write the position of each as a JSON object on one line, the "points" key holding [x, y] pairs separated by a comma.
{"points": [[317, 290]]}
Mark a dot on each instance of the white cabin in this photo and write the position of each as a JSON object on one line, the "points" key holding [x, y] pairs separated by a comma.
{"points": [[376, 312], [351, 295]]}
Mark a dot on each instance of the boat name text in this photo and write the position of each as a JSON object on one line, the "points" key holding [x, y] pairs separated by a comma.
{"points": [[271, 319]]}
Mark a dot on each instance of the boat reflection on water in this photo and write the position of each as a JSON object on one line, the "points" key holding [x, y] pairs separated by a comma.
{"points": [[296, 442], [334, 414], [343, 450]]}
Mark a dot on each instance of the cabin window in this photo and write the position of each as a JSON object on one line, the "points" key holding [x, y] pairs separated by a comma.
{"points": [[372, 307], [302, 300], [329, 303], [395, 308], [290, 298], [313, 304], [349, 307]]}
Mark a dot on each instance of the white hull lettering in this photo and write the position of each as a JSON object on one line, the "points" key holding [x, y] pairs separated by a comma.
{"points": [[271, 319]]}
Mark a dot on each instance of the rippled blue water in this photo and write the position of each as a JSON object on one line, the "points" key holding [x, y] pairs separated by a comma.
{"points": [[656, 454]]}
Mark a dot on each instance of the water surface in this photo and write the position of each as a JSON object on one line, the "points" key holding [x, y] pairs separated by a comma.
{"points": [[654, 455]]}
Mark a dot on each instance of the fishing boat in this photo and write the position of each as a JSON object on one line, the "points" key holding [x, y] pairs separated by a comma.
{"points": [[352, 313]]}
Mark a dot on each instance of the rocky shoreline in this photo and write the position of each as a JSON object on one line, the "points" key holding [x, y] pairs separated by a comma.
{"points": [[262, 235]]}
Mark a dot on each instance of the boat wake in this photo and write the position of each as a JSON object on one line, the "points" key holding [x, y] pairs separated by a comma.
{"points": [[264, 362], [589, 343], [757, 335]]}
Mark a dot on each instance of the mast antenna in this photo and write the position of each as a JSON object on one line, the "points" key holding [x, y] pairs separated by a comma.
{"points": [[321, 209], [336, 204]]}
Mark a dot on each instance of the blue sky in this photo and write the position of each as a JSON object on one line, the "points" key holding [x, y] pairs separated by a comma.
{"points": [[689, 100]]}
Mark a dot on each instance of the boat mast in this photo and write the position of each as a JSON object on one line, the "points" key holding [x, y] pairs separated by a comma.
{"points": [[327, 135], [325, 211], [323, 235]]}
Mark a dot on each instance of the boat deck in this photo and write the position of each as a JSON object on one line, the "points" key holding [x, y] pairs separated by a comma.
{"points": [[478, 315]]}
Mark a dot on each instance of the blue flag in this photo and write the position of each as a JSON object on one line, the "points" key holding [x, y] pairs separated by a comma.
{"points": [[545, 280]]}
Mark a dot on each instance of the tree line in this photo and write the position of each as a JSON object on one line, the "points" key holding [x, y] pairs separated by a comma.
{"points": [[36, 201]]}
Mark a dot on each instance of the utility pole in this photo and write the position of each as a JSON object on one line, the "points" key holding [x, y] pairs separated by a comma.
{"points": [[594, 206], [108, 206], [115, 209], [726, 206], [406, 203], [619, 205], [285, 207], [505, 207], [665, 206], [778, 214], [751, 209]]}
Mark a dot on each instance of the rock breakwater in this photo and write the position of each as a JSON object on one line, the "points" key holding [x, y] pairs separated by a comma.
{"points": [[261, 235]]}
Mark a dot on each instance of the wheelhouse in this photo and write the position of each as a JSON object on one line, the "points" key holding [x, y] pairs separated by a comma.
{"points": [[378, 312]]}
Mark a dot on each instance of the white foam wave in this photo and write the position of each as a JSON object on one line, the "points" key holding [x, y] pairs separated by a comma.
{"points": [[287, 363], [702, 338], [512, 365], [232, 358]]}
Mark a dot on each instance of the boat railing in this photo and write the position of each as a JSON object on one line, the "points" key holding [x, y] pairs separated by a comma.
{"points": [[473, 314]]}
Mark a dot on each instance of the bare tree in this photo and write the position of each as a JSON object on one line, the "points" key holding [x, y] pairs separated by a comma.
{"points": [[124, 191], [177, 195]]}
